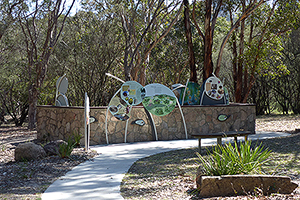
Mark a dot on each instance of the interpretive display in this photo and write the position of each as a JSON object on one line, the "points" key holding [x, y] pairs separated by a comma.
{"points": [[213, 92], [132, 93], [62, 84], [159, 99], [191, 94], [61, 89], [61, 100], [119, 108]]}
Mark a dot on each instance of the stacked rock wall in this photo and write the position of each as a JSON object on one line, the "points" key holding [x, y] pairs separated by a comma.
{"points": [[55, 123]]}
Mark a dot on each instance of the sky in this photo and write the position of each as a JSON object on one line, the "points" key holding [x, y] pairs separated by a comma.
{"points": [[76, 6]]}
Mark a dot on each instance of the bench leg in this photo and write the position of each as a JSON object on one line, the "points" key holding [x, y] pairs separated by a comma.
{"points": [[199, 145], [235, 139], [219, 141]]}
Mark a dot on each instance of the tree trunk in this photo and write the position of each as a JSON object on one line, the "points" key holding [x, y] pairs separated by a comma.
{"points": [[142, 78], [208, 41], [24, 113], [188, 34], [239, 84], [234, 54], [33, 98]]}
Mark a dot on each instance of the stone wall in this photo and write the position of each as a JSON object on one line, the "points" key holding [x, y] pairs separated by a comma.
{"points": [[61, 122]]}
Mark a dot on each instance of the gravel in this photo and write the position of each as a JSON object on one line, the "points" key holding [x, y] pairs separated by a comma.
{"points": [[29, 179]]}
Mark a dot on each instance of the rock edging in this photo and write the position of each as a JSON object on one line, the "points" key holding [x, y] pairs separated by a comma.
{"points": [[230, 185]]}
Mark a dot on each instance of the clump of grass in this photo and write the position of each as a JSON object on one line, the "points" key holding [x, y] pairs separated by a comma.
{"points": [[77, 137], [65, 150], [231, 159]]}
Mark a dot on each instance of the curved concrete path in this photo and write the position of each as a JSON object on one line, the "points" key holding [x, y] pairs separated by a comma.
{"points": [[100, 179]]}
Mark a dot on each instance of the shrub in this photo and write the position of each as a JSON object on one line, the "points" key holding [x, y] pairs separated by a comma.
{"points": [[77, 137], [65, 150], [231, 159]]}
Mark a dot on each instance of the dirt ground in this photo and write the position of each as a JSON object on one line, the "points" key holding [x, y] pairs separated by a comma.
{"points": [[28, 180]]}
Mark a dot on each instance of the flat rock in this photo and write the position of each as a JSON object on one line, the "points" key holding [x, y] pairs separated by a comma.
{"points": [[230, 185], [29, 151]]}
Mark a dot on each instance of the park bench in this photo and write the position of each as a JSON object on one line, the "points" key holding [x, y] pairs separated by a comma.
{"points": [[221, 135]]}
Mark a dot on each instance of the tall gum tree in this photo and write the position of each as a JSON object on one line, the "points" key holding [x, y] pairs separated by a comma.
{"points": [[212, 11], [239, 14], [41, 30], [266, 23], [188, 35], [140, 38]]}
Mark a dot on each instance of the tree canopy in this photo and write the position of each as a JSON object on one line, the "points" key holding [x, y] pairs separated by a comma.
{"points": [[250, 44]]}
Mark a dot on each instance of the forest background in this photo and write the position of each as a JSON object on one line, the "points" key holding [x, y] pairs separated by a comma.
{"points": [[253, 46]]}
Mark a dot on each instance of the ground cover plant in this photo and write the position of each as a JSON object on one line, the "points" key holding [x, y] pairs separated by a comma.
{"points": [[232, 159]]}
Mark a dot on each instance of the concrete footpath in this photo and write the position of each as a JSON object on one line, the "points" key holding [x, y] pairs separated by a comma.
{"points": [[100, 179]]}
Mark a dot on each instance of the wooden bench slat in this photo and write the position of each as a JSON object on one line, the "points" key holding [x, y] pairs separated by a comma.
{"points": [[220, 135]]}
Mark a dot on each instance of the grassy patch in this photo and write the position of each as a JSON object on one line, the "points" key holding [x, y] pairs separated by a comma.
{"points": [[171, 175]]}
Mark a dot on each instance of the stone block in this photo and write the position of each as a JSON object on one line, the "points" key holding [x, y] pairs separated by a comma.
{"points": [[230, 185]]}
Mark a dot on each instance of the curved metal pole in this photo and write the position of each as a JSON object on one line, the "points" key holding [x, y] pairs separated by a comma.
{"points": [[106, 133], [126, 126], [201, 100], [178, 87], [108, 74], [184, 124], [154, 127]]}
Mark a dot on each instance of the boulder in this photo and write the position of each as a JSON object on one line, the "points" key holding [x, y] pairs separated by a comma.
{"points": [[52, 148], [29, 151], [229, 185]]}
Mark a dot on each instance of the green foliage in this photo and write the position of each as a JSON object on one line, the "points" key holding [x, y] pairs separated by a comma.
{"points": [[65, 150], [77, 137], [231, 159], [3, 147]]}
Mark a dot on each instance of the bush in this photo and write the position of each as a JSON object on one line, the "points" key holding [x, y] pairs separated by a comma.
{"points": [[77, 137], [65, 150], [231, 159]]}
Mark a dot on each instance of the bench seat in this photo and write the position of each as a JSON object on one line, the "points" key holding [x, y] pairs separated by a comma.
{"points": [[221, 135]]}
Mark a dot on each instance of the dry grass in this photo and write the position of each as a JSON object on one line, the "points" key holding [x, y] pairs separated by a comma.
{"points": [[171, 175]]}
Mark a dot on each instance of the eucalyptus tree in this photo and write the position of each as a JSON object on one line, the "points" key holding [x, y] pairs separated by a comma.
{"points": [[287, 85], [207, 12], [244, 17], [90, 46], [291, 57], [145, 24], [189, 39], [9, 11], [13, 80], [169, 60], [251, 50], [41, 29]]}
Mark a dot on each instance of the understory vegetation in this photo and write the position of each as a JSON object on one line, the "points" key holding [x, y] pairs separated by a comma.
{"points": [[232, 159]]}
